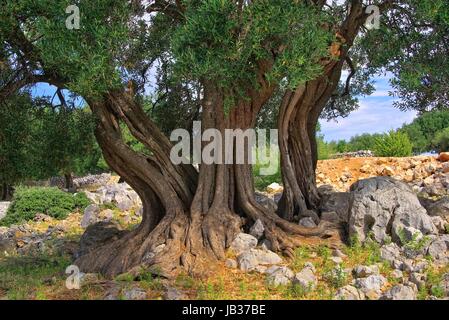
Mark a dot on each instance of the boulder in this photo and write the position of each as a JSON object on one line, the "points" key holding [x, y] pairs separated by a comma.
{"points": [[279, 276], [97, 235], [349, 293], [243, 242], [382, 203], [401, 292], [265, 201], [439, 208], [326, 189], [438, 248], [90, 215], [257, 229], [330, 216], [252, 258], [390, 252], [124, 203], [337, 202]]}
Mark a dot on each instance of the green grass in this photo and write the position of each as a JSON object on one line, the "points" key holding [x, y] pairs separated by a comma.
{"points": [[23, 277]]}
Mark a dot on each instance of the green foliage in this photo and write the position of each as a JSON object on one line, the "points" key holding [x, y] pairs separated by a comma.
{"points": [[63, 142], [15, 136], [28, 202], [393, 144], [416, 243], [221, 43], [441, 141], [424, 129], [416, 57], [325, 150], [364, 141], [88, 58], [262, 181], [337, 277]]}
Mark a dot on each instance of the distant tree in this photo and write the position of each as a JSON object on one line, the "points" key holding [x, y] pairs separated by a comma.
{"points": [[422, 131], [64, 143], [363, 141], [15, 135], [441, 141]]}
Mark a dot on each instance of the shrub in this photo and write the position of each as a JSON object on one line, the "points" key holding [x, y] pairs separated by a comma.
{"points": [[28, 202], [393, 144]]}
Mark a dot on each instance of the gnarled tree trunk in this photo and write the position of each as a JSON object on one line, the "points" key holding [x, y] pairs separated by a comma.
{"points": [[298, 117], [195, 215]]}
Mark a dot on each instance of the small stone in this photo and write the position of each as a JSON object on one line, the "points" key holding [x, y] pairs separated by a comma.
{"points": [[306, 279], [7, 246], [172, 294], [337, 260], [279, 276], [361, 271], [390, 252], [274, 188], [231, 263], [338, 253], [252, 258], [397, 274], [307, 222], [418, 279], [257, 229], [443, 157], [261, 269], [310, 266], [135, 294], [372, 283], [90, 215], [349, 293], [400, 292], [88, 278], [243, 242]]}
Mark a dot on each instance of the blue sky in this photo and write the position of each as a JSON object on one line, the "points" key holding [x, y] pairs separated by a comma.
{"points": [[375, 115]]}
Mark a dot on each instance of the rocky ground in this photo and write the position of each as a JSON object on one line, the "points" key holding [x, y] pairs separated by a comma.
{"points": [[396, 246]]}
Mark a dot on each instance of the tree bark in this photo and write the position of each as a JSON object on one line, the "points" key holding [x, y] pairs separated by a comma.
{"points": [[195, 215], [298, 117], [7, 191], [69, 185]]}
